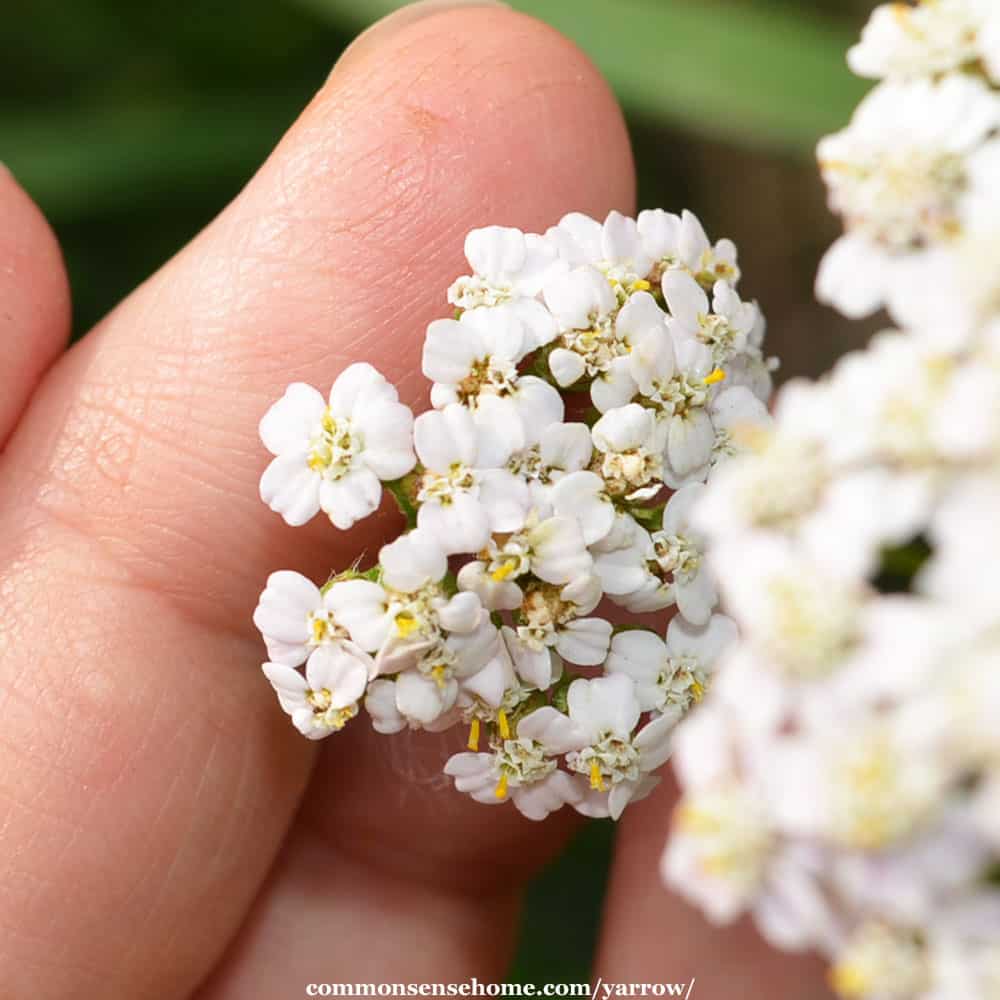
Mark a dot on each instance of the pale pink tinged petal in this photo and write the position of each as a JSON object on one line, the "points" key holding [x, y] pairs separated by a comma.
{"points": [[585, 641], [277, 624], [654, 742], [289, 654], [488, 684], [387, 433], [289, 685], [500, 332], [350, 498], [542, 798], [421, 698], [461, 614], [639, 317], [619, 797], [566, 446], [506, 499], [359, 384], [738, 406], [692, 242], [686, 299], [540, 257], [604, 704], [469, 765], [344, 674], [853, 277], [360, 606], [540, 327], [615, 387], [621, 571], [638, 653], [567, 367], [500, 430], [290, 488], [690, 441], [696, 597], [539, 405], [580, 495], [585, 232], [660, 232], [623, 429], [380, 704], [553, 729], [433, 441], [591, 803], [560, 553], [397, 654], [704, 642], [620, 242], [285, 605], [476, 646], [462, 525], [533, 666], [677, 513], [412, 561], [291, 422], [450, 348], [494, 252]]}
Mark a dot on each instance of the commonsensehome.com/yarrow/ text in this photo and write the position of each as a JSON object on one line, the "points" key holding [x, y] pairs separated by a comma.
{"points": [[474, 988]]}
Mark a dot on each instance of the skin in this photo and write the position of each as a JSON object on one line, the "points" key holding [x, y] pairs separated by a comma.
{"points": [[165, 832]]}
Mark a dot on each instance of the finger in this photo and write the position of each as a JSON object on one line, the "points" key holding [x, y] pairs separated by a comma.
{"points": [[34, 300], [136, 514], [650, 935]]}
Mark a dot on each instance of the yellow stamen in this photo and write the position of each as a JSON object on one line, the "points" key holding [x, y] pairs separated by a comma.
{"points": [[406, 624], [697, 691], [319, 629], [642, 285], [503, 724], [474, 736], [715, 376], [501, 790], [596, 778], [317, 462], [848, 980], [438, 673], [504, 570]]}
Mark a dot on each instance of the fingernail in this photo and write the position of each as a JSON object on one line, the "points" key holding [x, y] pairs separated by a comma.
{"points": [[371, 38]]}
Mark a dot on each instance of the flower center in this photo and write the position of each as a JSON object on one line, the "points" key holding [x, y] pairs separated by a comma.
{"points": [[682, 682], [471, 291], [610, 758], [624, 471], [542, 612], [598, 345], [677, 555], [519, 762], [493, 376], [904, 199], [324, 714], [444, 488], [333, 449]]}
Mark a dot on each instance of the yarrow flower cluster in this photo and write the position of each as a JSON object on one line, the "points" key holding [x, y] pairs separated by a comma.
{"points": [[586, 374], [841, 782]]}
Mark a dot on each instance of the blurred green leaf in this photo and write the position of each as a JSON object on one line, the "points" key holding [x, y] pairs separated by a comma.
{"points": [[761, 74]]}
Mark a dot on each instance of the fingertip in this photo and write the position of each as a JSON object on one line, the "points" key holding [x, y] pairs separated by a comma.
{"points": [[34, 300]]}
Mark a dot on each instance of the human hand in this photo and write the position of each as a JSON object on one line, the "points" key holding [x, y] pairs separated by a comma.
{"points": [[165, 830]]}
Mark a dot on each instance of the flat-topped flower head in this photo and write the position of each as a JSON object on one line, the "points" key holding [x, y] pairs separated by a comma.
{"points": [[326, 698], [331, 455]]}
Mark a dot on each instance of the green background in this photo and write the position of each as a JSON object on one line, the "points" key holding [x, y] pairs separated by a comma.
{"points": [[132, 124]]}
